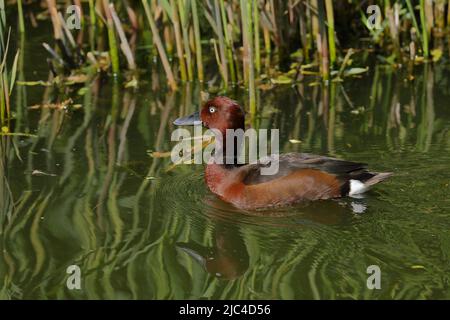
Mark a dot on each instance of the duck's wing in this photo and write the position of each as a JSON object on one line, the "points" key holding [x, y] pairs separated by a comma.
{"points": [[292, 162]]}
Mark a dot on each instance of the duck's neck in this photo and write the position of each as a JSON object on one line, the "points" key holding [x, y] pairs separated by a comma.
{"points": [[220, 173], [228, 149]]}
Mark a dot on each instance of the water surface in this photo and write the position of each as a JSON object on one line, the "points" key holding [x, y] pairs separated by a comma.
{"points": [[85, 191]]}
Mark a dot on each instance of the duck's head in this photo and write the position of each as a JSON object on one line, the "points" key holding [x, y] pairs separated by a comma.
{"points": [[218, 113]]}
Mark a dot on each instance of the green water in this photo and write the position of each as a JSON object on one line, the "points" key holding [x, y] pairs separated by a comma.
{"points": [[85, 191]]}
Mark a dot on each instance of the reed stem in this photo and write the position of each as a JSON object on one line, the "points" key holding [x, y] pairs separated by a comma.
{"points": [[182, 8], [331, 40], [21, 19], [249, 66], [197, 39], [414, 20], [423, 21], [92, 16], [220, 32], [228, 42], [178, 40], [257, 40], [157, 41], [113, 50]]}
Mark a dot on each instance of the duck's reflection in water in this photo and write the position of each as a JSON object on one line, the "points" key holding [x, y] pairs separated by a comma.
{"points": [[228, 258]]}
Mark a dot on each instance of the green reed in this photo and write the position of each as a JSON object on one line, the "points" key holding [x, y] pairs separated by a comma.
{"points": [[245, 33], [21, 19], [198, 41], [184, 8], [228, 42], [424, 25], [161, 50], [113, 49], [178, 40], [330, 23], [7, 76], [248, 59], [221, 40]]}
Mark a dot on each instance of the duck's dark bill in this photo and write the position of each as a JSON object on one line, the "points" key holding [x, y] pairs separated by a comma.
{"points": [[191, 120]]}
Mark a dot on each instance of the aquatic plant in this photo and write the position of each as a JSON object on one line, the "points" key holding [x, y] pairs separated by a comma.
{"points": [[245, 43], [7, 77]]}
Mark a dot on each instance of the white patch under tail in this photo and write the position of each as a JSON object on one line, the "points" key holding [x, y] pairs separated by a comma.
{"points": [[357, 187]]}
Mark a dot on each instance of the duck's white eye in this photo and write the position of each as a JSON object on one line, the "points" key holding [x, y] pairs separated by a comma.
{"points": [[212, 109]]}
